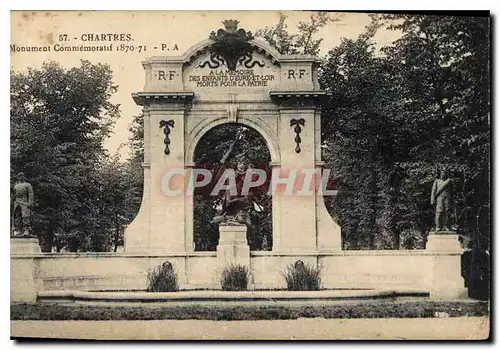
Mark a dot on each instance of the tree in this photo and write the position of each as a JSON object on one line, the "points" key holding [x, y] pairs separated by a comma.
{"points": [[117, 200], [301, 43], [444, 74], [134, 165], [395, 117], [278, 37], [136, 142], [358, 141], [59, 119]]}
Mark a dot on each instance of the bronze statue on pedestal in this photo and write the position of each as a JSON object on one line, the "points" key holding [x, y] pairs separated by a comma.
{"points": [[441, 196]]}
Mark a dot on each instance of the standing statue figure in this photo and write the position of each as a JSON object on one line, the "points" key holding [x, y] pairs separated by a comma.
{"points": [[23, 201], [442, 197]]}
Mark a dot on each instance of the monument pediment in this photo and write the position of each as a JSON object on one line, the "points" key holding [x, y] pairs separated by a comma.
{"points": [[231, 60]]}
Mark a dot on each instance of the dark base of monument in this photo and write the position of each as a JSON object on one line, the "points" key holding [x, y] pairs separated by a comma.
{"points": [[443, 232], [23, 236]]}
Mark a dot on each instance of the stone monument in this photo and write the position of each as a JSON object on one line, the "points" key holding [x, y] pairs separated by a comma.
{"points": [[444, 244], [231, 77], [22, 243], [442, 237]]}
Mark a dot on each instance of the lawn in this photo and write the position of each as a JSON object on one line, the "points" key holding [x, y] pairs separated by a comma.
{"points": [[373, 309]]}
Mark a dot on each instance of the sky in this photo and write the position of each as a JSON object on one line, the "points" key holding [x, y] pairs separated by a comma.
{"points": [[151, 29]]}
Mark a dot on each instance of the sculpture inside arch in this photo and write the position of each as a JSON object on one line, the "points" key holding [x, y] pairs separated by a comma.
{"points": [[233, 146]]}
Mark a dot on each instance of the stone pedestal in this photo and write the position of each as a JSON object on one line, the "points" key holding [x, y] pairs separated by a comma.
{"points": [[24, 245], [23, 270], [446, 252], [233, 248]]}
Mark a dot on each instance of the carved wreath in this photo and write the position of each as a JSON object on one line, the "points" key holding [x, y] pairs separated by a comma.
{"points": [[231, 47]]}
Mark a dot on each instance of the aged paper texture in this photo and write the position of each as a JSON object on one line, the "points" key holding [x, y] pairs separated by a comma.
{"points": [[249, 175]]}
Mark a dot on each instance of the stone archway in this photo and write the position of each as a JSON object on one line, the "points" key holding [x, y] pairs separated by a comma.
{"points": [[185, 96]]}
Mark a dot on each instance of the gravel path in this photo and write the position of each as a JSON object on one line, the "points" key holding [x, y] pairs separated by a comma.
{"points": [[315, 328]]}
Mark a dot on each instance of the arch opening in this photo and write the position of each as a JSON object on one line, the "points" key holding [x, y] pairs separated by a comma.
{"points": [[197, 133], [225, 149]]}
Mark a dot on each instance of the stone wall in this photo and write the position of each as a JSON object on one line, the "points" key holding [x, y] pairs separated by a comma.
{"points": [[109, 271]]}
